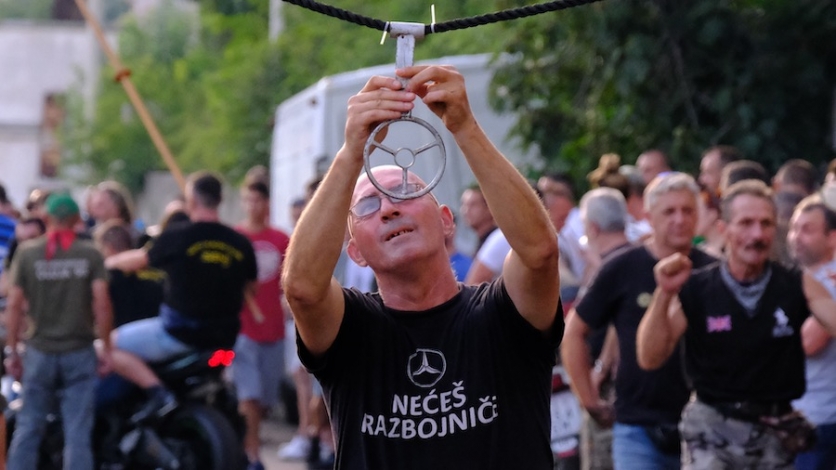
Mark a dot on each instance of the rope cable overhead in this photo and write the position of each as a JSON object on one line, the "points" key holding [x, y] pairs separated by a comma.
{"points": [[462, 23]]}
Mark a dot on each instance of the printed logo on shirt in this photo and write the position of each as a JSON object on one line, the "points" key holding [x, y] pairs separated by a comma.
{"points": [[268, 260], [432, 412], [718, 324], [782, 324], [215, 252], [426, 367], [61, 269], [644, 299]]}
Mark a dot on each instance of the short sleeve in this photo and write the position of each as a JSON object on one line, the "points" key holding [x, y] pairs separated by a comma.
{"points": [[598, 304], [493, 252]]}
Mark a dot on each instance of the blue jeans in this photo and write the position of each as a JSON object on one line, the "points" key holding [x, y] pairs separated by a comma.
{"points": [[632, 449], [70, 380], [149, 340], [823, 455]]}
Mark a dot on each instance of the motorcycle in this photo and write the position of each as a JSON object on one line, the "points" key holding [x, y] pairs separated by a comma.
{"points": [[204, 432]]}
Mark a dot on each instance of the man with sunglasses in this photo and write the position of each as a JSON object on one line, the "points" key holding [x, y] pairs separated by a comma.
{"points": [[426, 373]]}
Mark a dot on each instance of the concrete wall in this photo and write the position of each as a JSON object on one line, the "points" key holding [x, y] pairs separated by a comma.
{"points": [[38, 59]]}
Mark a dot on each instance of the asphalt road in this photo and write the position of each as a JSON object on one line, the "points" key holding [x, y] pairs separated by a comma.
{"points": [[274, 433]]}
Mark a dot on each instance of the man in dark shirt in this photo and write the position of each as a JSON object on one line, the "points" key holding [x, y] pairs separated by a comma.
{"points": [[426, 373], [135, 295], [741, 321], [208, 266], [648, 404]]}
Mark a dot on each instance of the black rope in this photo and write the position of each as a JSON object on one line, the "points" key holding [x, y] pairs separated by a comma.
{"points": [[462, 23], [504, 15], [340, 13]]}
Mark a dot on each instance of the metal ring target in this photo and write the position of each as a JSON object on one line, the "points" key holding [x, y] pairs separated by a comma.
{"points": [[402, 154]]}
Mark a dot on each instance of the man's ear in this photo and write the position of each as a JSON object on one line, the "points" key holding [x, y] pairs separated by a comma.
{"points": [[831, 239], [354, 253], [447, 220]]}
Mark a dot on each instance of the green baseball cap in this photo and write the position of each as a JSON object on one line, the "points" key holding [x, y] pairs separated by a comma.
{"points": [[61, 206]]}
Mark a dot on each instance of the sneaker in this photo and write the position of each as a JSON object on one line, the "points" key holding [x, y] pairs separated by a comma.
{"points": [[161, 403], [297, 449], [257, 465]]}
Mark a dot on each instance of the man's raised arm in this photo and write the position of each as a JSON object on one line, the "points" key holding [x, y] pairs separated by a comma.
{"points": [[663, 322], [314, 296], [530, 271]]}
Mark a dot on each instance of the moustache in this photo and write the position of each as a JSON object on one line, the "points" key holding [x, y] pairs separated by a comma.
{"points": [[758, 245]]}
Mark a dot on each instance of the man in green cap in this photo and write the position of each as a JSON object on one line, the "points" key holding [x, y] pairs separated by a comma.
{"points": [[63, 279]]}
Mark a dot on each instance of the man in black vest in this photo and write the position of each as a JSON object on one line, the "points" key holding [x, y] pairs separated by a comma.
{"points": [[741, 321]]}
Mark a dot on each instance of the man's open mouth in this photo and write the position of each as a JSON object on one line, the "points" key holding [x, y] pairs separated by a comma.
{"points": [[397, 234]]}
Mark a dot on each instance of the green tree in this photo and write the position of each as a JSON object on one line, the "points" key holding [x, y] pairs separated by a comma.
{"points": [[213, 89], [624, 76], [25, 9]]}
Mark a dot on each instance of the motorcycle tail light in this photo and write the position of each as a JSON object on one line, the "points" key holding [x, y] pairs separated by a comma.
{"points": [[221, 357]]}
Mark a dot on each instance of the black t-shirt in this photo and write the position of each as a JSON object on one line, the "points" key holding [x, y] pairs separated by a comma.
{"points": [[464, 385], [620, 294], [731, 356], [135, 295], [598, 337], [207, 266]]}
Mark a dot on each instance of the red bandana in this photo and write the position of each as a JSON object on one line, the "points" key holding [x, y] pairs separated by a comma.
{"points": [[62, 237]]}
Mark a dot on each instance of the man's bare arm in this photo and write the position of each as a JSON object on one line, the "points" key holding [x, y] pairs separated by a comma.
{"points": [[128, 261], [530, 272], [664, 321], [814, 337], [478, 274], [574, 354], [102, 311], [315, 297], [821, 304]]}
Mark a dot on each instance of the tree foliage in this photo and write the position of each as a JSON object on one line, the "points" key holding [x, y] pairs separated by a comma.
{"points": [[213, 86], [624, 76]]}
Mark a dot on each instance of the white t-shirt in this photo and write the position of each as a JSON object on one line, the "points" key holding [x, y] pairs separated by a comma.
{"points": [[493, 252]]}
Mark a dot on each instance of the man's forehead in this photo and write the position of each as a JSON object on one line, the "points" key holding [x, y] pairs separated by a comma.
{"points": [[386, 176], [675, 197], [745, 205]]}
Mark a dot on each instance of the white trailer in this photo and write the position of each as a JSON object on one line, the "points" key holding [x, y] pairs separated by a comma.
{"points": [[309, 129]]}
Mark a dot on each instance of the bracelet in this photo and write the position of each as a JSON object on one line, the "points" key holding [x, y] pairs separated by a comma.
{"points": [[10, 351], [599, 365]]}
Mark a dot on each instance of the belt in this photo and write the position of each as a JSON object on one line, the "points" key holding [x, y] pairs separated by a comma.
{"points": [[749, 410]]}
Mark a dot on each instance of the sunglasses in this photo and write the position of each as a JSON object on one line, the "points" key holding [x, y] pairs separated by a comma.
{"points": [[368, 205]]}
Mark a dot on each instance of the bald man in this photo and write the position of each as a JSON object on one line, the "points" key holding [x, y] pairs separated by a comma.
{"points": [[426, 372]]}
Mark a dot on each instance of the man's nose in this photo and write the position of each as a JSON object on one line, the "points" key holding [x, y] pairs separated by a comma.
{"points": [[388, 208]]}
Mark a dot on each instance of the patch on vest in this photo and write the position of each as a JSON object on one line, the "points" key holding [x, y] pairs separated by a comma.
{"points": [[718, 324], [782, 324]]}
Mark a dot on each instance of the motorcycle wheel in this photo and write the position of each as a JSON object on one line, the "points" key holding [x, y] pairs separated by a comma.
{"points": [[202, 439]]}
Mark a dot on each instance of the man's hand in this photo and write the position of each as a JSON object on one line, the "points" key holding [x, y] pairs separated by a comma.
{"points": [[602, 412], [105, 365], [672, 272], [381, 99], [442, 89]]}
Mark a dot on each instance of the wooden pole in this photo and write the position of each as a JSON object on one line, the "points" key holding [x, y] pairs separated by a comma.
{"points": [[123, 76]]}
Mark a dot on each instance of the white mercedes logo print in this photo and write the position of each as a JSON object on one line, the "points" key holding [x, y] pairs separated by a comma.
{"points": [[426, 367]]}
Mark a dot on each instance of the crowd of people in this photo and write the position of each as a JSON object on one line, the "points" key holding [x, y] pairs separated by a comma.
{"points": [[699, 310]]}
